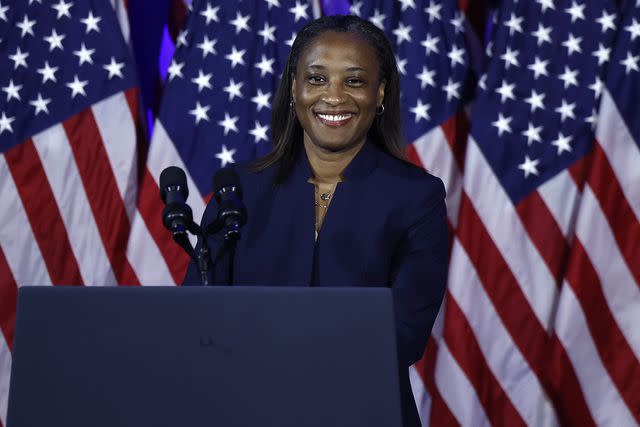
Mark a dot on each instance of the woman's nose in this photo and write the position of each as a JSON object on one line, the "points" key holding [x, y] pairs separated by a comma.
{"points": [[334, 94]]}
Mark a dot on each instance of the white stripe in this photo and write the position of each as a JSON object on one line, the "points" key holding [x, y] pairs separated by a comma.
{"points": [[418, 389], [562, 197], [501, 220], [436, 156], [145, 256], [121, 13], [623, 153], [68, 190], [16, 237], [457, 391], [162, 154], [619, 287], [602, 397], [5, 371], [511, 370], [118, 133]]}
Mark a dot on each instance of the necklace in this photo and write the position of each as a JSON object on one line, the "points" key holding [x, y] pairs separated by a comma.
{"points": [[325, 197]]}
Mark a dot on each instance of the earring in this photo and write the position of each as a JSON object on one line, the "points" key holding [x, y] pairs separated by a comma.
{"points": [[380, 111], [292, 104]]}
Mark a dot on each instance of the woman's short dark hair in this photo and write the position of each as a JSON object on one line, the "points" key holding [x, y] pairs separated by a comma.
{"points": [[286, 131]]}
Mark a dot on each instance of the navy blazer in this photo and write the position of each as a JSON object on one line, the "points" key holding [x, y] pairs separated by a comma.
{"points": [[386, 226]]}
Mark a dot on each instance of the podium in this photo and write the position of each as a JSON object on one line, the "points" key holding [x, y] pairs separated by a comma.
{"points": [[204, 356]]}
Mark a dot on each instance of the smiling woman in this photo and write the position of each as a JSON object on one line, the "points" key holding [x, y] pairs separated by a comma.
{"points": [[334, 203]]}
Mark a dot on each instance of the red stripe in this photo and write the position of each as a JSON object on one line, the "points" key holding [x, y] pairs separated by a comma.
{"points": [[621, 218], [8, 299], [545, 234], [413, 157], [616, 353], [43, 214], [440, 415], [580, 169], [507, 297], [150, 207], [465, 349], [476, 13], [456, 130], [564, 389], [102, 191], [177, 16]]}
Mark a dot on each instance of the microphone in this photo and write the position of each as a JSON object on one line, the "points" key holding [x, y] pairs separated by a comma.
{"points": [[231, 212], [177, 216]]}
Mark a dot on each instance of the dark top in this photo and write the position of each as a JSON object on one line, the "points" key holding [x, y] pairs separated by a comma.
{"points": [[386, 226]]}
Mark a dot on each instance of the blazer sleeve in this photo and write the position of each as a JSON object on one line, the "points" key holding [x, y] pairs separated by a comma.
{"points": [[420, 273]]}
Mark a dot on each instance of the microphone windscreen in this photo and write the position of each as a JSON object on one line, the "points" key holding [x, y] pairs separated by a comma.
{"points": [[173, 176], [225, 177]]}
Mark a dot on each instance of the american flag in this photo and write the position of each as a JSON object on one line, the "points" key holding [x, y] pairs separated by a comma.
{"points": [[538, 322], [216, 109], [68, 168]]}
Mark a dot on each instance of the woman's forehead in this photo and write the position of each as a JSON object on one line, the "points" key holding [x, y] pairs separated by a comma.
{"points": [[342, 49]]}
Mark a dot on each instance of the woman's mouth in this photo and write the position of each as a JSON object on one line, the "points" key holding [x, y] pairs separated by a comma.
{"points": [[334, 120]]}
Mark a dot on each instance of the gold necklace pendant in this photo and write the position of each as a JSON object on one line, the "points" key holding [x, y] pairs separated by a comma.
{"points": [[326, 196]]}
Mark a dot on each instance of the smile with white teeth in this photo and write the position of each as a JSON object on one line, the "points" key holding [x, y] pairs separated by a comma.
{"points": [[335, 118]]}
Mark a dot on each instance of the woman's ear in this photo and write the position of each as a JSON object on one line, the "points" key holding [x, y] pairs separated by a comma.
{"points": [[293, 87], [381, 88]]}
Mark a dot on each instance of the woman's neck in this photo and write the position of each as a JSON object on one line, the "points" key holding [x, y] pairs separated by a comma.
{"points": [[327, 166]]}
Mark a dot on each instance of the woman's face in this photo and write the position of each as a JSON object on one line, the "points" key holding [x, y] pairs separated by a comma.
{"points": [[336, 90]]}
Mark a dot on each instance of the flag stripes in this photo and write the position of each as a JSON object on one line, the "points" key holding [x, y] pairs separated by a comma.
{"points": [[8, 300]]}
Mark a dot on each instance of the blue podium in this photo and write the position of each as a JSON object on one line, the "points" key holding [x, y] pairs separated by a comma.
{"points": [[214, 356]]}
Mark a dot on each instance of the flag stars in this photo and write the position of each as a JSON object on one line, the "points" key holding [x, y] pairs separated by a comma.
{"points": [[241, 22], [576, 11], [229, 123], [291, 40], [63, 9], [261, 100], [566, 110], [203, 80], [430, 44], [535, 100], [433, 10], [426, 77], [402, 64], [272, 3], [55, 40], [452, 89], [607, 21], [378, 19], [207, 46], [456, 56], [259, 132], [234, 89], [503, 124], [506, 91], [91, 22], [26, 26], [12, 91], [406, 4], [200, 112], [602, 54], [592, 119], [5, 123], [630, 63], [3, 12], [562, 143], [175, 69], [226, 156], [77, 87], [542, 34], [546, 4], [267, 33], [573, 44], [569, 77], [402, 33], [40, 104], [114, 68], [182, 39], [529, 167], [514, 24], [457, 22], [211, 13], [19, 59], [510, 57], [633, 29], [356, 8], [265, 66], [421, 111], [532, 133], [48, 72], [596, 87], [539, 67], [236, 56], [300, 11], [84, 54]]}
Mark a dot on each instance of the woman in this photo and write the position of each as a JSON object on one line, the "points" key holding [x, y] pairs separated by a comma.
{"points": [[334, 204]]}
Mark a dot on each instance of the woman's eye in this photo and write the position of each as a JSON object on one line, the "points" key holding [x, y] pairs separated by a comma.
{"points": [[315, 79], [355, 82]]}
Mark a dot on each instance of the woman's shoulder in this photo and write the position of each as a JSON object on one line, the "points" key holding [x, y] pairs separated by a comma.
{"points": [[408, 174]]}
